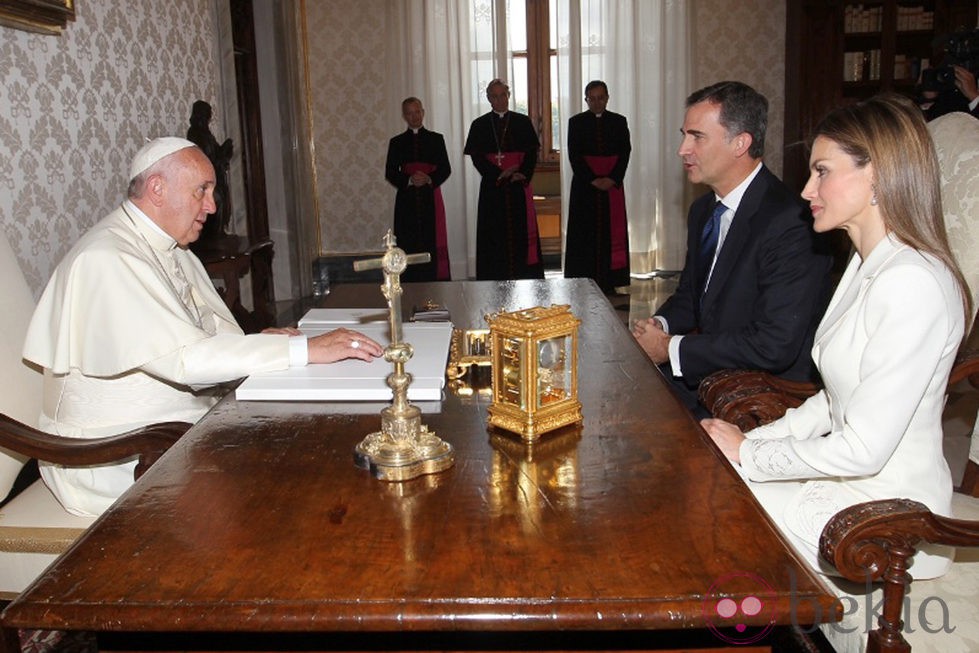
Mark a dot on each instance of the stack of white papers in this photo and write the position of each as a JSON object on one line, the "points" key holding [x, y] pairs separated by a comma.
{"points": [[352, 318], [356, 380]]}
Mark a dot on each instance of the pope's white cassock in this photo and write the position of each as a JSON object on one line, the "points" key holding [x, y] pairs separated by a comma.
{"points": [[130, 331]]}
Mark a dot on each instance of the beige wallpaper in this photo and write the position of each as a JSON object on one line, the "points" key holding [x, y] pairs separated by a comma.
{"points": [[745, 40], [74, 109], [351, 121], [346, 51]]}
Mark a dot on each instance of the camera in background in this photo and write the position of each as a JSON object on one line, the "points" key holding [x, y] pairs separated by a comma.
{"points": [[960, 49], [936, 92]]}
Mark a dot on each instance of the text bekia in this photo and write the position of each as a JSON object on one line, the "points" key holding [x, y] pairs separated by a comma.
{"points": [[932, 615]]}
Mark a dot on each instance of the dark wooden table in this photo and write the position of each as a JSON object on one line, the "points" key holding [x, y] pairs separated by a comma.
{"points": [[605, 536]]}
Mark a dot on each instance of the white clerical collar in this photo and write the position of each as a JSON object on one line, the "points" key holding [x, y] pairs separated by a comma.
{"points": [[414, 130], [134, 211], [500, 115], [598, 115], [733, 199]]}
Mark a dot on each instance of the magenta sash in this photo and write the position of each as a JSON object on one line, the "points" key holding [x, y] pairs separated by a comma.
{"points": [[441, 241], [602, 166], [508, 160]]}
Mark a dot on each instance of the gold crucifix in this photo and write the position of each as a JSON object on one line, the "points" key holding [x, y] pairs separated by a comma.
{"points": [[404, 447]]}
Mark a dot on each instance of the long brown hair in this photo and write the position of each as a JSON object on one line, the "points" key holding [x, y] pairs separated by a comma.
{"points": [[889, 131]]}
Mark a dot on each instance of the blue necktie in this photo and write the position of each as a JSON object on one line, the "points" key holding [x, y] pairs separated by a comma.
{"points": [[708, 245]]}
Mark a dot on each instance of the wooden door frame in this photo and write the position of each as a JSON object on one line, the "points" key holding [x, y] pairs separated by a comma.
{"points": [[252, 155]]}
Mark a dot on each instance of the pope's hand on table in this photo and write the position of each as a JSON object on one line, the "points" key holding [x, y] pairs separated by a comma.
{"points": [[340, 344]]}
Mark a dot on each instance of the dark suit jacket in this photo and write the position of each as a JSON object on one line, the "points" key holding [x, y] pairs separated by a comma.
{"points": [[949, 101], [767, 291]]}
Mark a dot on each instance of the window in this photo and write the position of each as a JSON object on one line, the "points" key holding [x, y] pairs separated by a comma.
{"points": [[519, 39]]}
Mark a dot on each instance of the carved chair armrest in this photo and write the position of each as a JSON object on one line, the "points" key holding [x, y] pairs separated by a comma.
{"points": [[966, 367], [149, 443], [258, 247], [875, 541], [970, 479], [750, 398]]}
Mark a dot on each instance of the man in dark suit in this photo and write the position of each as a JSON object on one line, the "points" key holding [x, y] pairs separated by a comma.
{"points": [[417, 165], [937, 99], [755, 279], [598, 237]]}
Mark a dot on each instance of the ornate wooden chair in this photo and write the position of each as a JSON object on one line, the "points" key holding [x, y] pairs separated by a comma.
{"points": [[750, 398], [874, 541], [34, 528]]}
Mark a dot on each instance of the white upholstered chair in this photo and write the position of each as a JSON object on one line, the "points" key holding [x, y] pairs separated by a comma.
{"points": [[34, 528], [956, 137]]}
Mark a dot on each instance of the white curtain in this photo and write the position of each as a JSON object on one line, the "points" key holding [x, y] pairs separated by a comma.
{"points": [[429, 58], [640, 48]]}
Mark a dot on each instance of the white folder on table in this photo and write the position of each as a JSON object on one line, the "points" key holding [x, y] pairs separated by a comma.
{"points": [[331, 318], [356, 380]]}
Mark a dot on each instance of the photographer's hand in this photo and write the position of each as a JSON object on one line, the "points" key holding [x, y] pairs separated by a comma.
{"points": [[965, 81]]}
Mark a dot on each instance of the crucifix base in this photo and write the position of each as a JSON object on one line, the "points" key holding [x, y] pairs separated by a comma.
{"points": [[404, 448]]}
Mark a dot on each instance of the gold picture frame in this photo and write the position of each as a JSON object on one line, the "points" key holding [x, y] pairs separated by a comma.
{"points": [[39, 16]]}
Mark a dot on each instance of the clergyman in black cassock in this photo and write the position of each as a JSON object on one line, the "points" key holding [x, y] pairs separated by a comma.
{"points": [[503, 147], [599, 146], [417, 165]]}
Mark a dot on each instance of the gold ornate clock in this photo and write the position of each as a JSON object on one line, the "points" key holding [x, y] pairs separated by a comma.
{"points": [[535, 370]]}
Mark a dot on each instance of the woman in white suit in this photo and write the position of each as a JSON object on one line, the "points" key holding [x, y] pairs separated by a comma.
{"points": [[885, 345]]}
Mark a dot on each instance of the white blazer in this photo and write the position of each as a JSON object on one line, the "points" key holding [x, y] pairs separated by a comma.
{"points": [[884, 348]]}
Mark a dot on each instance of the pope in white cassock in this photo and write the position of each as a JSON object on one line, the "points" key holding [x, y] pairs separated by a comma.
{"points": [[130, 330]]}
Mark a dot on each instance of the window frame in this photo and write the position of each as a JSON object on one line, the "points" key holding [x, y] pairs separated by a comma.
{"points": [[538, 56]]}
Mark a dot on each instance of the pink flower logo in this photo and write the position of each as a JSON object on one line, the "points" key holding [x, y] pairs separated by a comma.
{"points": [[737, 609]]}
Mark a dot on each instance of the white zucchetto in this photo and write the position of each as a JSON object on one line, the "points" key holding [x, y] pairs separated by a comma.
{"points": [[155, 150]]}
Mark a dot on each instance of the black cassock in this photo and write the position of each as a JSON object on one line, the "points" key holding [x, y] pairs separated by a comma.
{"points": [[507, 241], [597, 244], [416, 225]]}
